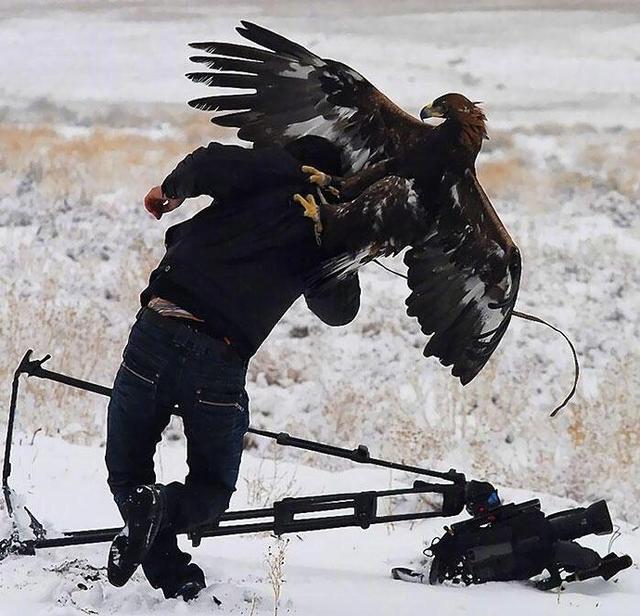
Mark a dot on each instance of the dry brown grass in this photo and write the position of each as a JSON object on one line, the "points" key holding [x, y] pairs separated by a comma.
{"points": [[116, 157], [617, 165], [275, 559], [97, 160], [56, 409], [605, 439], [270, 482], [274, 369], [612, 162], [501, 176], [84, 336]]}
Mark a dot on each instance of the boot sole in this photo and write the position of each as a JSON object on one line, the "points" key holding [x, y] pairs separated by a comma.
{"points": [[131, 545]]}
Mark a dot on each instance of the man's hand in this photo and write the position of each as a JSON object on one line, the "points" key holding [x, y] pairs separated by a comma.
{"points": [[157, 204]]}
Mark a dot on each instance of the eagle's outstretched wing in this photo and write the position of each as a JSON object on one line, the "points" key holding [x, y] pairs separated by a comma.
{"points": [[464, 278], [298, 93]]}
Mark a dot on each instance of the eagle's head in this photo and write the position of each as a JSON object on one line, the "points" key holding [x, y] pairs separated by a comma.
{"points": [[452, 106], [458, 108]]}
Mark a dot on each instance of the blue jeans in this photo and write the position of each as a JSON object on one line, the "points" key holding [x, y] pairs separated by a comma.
{"points": [[170, 368]]}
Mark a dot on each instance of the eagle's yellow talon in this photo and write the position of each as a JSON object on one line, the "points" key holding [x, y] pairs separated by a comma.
{"points": [[311, 210], [316, 176], [309, 204]]}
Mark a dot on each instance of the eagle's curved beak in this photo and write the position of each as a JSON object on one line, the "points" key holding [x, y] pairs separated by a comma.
{"points": [[429, 111]]}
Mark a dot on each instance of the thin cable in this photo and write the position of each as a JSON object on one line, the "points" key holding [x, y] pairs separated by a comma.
{"points": [[576, 363], [390, 270], [616, 535]]}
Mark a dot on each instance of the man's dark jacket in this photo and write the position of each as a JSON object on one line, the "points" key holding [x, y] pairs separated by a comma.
{"points": [[240, 263]]}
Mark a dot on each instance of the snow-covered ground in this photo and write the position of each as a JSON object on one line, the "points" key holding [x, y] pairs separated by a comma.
{"points": [[92, 114], [528, 65], [337, 572]]}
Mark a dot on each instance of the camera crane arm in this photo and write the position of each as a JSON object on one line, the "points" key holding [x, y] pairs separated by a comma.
{"points": [[359, 509]]}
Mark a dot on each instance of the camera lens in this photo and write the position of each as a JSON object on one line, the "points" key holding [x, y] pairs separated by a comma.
{"points": [[578, 522]]}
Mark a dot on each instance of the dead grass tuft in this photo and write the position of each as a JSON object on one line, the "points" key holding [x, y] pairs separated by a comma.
{"points": [[98, 160]]}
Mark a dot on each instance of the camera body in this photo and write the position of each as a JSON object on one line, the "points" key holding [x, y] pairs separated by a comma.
{"points": [[518, 542]]}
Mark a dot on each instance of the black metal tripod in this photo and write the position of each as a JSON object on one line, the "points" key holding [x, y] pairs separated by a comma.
{"points": [[350, 509]]}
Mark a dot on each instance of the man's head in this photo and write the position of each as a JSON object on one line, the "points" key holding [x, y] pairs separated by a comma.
{"points": [[316, 152]]}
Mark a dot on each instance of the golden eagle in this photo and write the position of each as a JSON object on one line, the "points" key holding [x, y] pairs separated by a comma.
{"points": [[407, 183]]}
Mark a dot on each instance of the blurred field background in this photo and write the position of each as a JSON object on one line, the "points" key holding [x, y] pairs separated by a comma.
{"points": [[93, 113]]}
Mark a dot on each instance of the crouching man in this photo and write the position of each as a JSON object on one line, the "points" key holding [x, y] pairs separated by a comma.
{"points": [[228, 275]]}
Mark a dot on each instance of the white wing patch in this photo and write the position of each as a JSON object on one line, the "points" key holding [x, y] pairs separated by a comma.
{"points": [[340, 267], [475, 291], [315, 126], [297, 70]]}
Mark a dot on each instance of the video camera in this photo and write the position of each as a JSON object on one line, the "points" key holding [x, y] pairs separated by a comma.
{"points": [[518, 542]]}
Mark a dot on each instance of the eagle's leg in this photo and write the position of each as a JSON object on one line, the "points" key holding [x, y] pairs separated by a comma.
{"points": [[321, 179], [377, 249], [311, 210]]}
